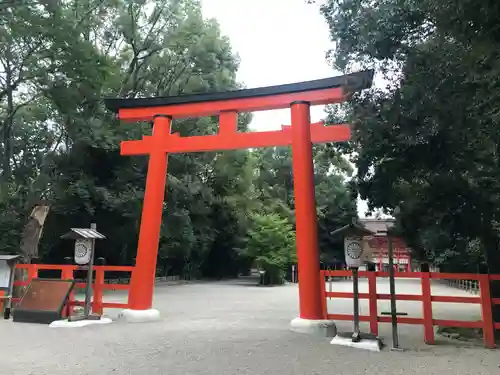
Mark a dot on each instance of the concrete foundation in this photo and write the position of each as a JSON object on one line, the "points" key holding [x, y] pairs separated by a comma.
{"points": [[324, 328], [140, 316], [367, 342]]}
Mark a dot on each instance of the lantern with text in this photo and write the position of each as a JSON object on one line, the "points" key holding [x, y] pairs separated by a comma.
{"points": [[353, 250], [355, 257], [84, 255]]}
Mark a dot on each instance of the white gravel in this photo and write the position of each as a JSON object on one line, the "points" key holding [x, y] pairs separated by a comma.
{"points": [[226, 328]]}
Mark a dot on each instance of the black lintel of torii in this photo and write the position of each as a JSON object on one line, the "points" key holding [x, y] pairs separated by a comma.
{"points": [[350, 82]]}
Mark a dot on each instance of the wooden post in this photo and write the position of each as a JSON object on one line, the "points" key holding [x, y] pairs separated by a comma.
{"points": [[372, 293], [97, 307], [427, 304], [305, 213], [143, 276], [486, 311], [323, 294], [67, 274]]}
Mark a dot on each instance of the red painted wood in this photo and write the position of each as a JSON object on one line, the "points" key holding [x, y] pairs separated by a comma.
{"points": [[228, 123], [116, 287], [455, 276], [115, 305], [97, 307], [486, 312], [228, 140], [67, 274], [456, 299], [362, 318], [320, 97], [484, 300], [140, 296], [346, 295], [2, 293], [401, 297], [322, 288], [427, 308], [33, 272], [310, 299], [372, 303], [401, 319], [338, 273], [98, 286]]}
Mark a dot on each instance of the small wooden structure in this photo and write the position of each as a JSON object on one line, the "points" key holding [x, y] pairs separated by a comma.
{"points": [[84, 255], [354, 257], [7, 270]]}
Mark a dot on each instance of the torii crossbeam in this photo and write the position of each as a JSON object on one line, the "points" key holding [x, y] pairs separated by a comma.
{"points": [[300, 135]]}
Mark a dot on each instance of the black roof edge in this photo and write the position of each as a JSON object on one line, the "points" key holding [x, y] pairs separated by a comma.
{"points": [[352, 228], [352, 82]]}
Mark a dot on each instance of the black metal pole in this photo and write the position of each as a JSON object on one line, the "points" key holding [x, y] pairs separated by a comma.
{"points": [[90, 268], [88, 287], [355, 288], [392, 286]]}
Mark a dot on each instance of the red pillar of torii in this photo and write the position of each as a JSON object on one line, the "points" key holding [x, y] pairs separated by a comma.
{"points": [[300, 135]]}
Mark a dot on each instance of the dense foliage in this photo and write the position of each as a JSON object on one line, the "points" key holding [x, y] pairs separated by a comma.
{"points": [[427, 144], [271, 243], [60, 145]]}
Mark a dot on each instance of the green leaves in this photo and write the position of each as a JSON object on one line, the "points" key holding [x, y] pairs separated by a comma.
{"points": [[63, 145], [427, 143], [271, 243]]}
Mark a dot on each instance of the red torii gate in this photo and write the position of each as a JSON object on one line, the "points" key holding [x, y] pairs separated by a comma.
{"points": [[301, 134]]}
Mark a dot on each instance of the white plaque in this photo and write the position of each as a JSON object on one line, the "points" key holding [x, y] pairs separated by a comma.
{"points": [[5, 271], [82, 251], [353, 249]]}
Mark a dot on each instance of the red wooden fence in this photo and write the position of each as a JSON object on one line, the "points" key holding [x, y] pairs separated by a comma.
{"points": [[98, 287], [426, 297]]}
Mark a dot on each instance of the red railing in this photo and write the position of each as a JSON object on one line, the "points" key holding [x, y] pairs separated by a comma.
{"points": [[426, 297], [98, 287]]}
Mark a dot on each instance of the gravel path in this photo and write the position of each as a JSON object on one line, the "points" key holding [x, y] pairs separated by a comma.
{"points": [[222, 328]]}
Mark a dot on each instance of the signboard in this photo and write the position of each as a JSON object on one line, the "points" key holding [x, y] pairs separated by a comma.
{"points": [[5, 271], [83, 249], [353, 249], [43, 301]]}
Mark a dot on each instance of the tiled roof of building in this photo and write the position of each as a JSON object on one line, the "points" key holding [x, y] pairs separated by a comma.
{"points": [[378, 226]]}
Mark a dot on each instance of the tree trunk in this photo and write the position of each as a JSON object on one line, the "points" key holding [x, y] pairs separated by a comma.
{"points": [[33, 231], [30, 238], [7, 125]]}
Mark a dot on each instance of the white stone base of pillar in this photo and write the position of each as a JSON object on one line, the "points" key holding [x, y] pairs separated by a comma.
{"points": [[140, 316], [324, 328]]}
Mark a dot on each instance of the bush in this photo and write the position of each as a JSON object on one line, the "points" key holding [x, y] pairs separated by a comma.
{"points": [[271, 244]]}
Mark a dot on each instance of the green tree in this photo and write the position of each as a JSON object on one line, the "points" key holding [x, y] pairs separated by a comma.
{"points": [[271, 244], [426, 145], [65, 144]]}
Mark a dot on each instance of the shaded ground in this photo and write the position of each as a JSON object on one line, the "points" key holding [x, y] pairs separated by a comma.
{"points": [[221, 328]]}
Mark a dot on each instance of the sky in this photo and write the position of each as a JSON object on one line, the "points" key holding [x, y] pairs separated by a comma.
{"points": [[278, 42]]}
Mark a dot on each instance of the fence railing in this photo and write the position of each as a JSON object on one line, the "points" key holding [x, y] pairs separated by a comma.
{"points": [[426, 298], [99, 284], [471, 286]]}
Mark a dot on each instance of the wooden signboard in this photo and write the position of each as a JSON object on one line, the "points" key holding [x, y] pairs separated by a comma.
{"points": [[43, 301]]}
